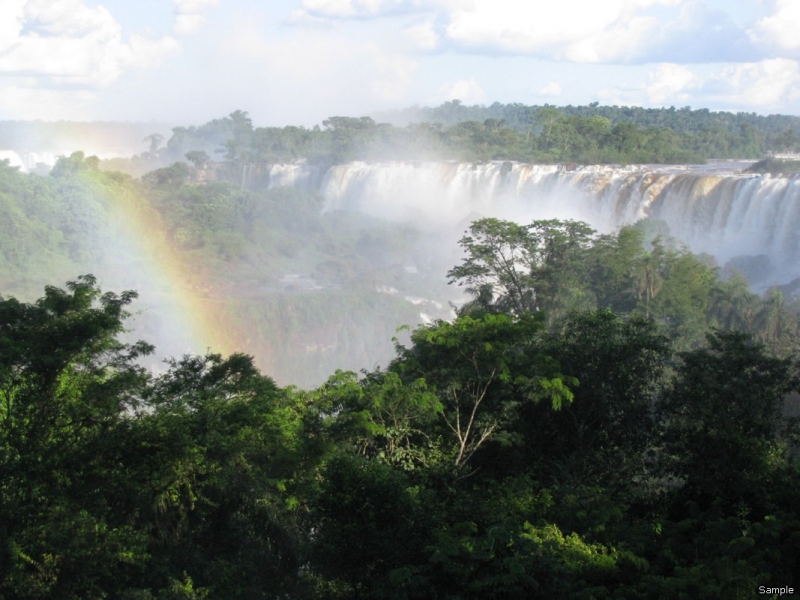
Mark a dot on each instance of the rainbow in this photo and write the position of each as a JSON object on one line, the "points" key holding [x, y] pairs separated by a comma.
{"points": [[190, 319]]}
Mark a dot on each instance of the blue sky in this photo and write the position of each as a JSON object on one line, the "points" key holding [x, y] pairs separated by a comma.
{"points": [[299, 61]]}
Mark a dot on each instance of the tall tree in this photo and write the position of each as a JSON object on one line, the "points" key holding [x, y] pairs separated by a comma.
{"points": [[524, 268], [67, 526], [155, 140], [474, 365]]}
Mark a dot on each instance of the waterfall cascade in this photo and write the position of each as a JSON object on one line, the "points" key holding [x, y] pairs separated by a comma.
{"points": [[717, 210], [28, 161]]}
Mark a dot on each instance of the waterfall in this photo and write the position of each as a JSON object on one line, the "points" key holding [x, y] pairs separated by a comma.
{"points": [[28, 161], [13, 158], [721, 212], [299, 175]]}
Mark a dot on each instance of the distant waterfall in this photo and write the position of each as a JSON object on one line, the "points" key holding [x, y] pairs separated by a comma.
{"points": [[723, 213], [298, 175], [28, 161]]}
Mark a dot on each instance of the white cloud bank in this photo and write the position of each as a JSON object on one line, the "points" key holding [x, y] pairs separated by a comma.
{"points": [[778, 32], [580, 31], [354, 56], [602, 31], [767, 85], [67, 42]]}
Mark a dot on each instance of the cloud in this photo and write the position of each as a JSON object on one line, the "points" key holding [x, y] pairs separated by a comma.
{"points": [[65, 42], [778, 31], [327, 74], [391, 74], [551, 89], [194, 6], [348, 9], [312, 11], [189, 16], [468, 91], [11, 24], [698, 34], [186, 24], [24, 100], [597, 32], [770, 85], [566, 30], [422, 37], [300, 18], [671, 84], [603, 31]]}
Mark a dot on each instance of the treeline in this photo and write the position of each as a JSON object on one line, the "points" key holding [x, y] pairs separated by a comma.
{"points": [[587, 427], [719, 132], [555, 138], [539, 134]]}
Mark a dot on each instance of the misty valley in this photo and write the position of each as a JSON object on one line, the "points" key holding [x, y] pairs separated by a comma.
{"points": [[497, 351]]}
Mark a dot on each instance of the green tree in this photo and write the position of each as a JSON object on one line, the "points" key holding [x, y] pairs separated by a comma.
{"points": [[774, 325], [604, 435], [499, 260], [732, 305], [724, 419], [524, 268], [226, 448], [113, 484], [648, 278], [155, 140], [370, 521], [472, 366], [613, 262], [67, 386], [198, 158], [681, 305]]}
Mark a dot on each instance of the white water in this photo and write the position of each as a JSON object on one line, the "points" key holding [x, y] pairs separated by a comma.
{"points": [[42, 162], [299, 175], [710, 209], [28, 161]]}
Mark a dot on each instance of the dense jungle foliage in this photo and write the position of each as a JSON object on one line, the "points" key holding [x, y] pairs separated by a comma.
{"points": [[606, 418]]}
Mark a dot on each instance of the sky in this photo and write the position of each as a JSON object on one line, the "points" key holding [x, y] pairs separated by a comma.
{"points": [[300, 61]]}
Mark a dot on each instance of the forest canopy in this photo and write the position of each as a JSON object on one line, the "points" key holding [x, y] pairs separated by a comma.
{"points": [[530, 448]]}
